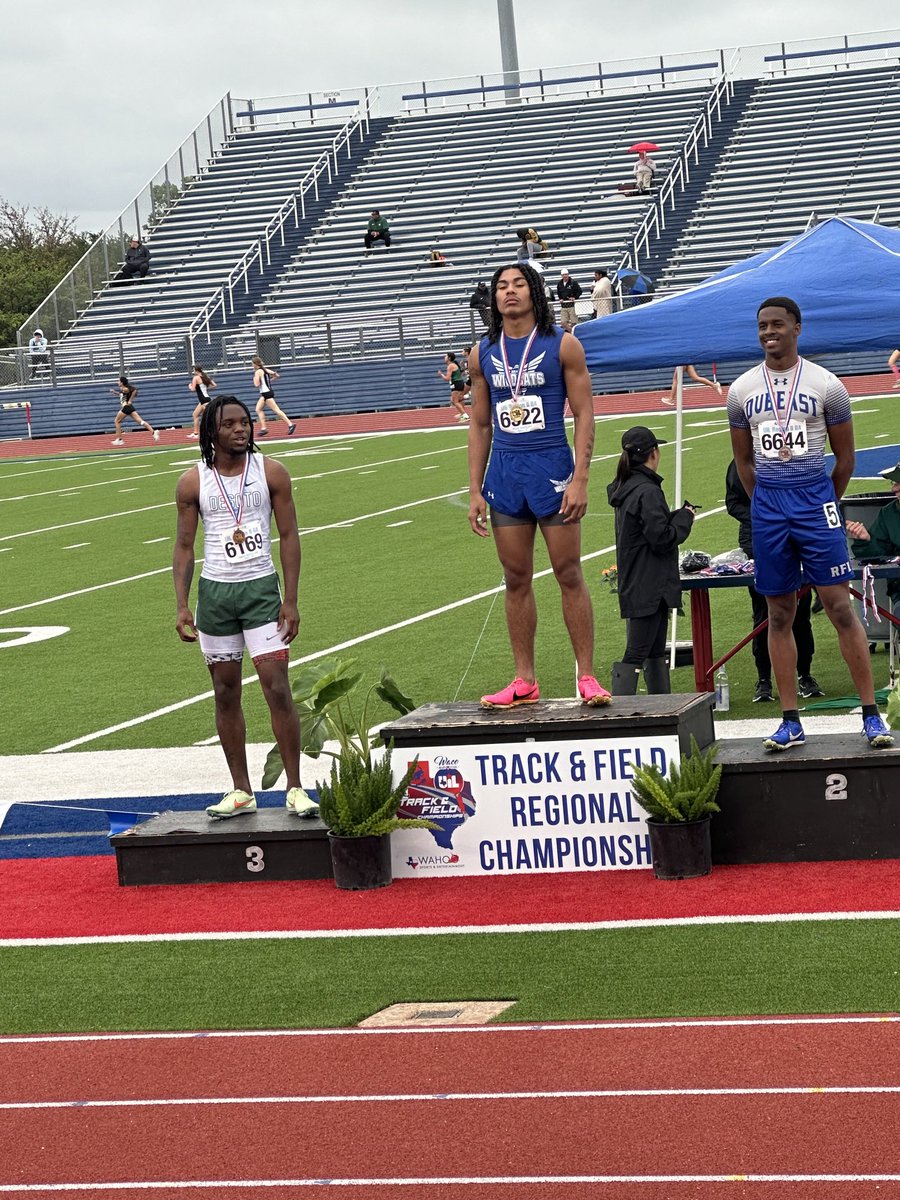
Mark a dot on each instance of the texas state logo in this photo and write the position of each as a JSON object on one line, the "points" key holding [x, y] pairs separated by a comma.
{"points": [[444, 797]]}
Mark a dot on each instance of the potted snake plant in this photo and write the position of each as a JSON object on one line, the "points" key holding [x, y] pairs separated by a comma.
{"points": [[358, 802], [679, 807]]}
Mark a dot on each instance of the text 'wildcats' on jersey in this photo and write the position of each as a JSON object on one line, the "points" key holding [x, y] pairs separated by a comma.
{"points": [[527, 406]]}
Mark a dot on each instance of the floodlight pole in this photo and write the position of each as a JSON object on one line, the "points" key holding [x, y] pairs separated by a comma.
{"points": [[509, 53]]}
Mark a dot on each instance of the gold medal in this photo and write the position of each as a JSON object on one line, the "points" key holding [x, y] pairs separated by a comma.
{"points": [[516, 414], [239, 537], [785, 454]]}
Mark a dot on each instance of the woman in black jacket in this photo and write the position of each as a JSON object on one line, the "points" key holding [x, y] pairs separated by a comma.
{"points": [[647, 540]]}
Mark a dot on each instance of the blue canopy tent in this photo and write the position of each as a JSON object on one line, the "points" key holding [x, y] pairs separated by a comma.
{"points": [[844, 275]]}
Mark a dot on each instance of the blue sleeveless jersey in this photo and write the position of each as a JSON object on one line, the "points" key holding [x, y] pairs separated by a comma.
{"points": [[543, 377]]}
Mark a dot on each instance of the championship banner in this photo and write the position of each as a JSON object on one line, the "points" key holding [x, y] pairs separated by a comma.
{"points": [[513, 807]]}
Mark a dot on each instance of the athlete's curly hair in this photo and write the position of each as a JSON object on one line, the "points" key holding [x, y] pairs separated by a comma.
{"points": [[209, 426], [543, 313]]}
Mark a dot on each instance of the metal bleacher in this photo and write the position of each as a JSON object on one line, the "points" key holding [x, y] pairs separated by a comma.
{"points": [[752, 152], [206, 231], [463, 182], [805, 148]]}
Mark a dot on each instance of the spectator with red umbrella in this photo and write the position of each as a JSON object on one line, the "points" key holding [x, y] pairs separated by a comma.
{"points": [[645, 166]]}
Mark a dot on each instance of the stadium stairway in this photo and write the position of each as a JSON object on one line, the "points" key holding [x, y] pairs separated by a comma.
{"points": [[210, 227], [701, 172], [804, 148]]}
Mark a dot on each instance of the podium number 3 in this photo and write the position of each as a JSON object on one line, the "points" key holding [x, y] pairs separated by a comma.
{"points": [[255, 861]]}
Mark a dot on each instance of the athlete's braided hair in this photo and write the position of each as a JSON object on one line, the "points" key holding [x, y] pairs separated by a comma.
{"points": [[543, 313], [209, 426]]}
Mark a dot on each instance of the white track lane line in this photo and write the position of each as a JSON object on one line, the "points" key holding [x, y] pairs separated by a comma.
{"points": [[456, 1097], [444, 1030], [483, 1181], [448, 930]]}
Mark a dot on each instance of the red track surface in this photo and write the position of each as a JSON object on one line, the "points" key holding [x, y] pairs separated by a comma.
{"points": [[415, 418], [428, 1124], [79, 897]]}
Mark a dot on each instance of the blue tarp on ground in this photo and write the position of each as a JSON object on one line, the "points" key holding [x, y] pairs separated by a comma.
{"points": [[843, 274]]}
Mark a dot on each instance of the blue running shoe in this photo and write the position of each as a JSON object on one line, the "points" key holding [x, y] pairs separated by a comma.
{"points": [[788, 733], [877, 733]]}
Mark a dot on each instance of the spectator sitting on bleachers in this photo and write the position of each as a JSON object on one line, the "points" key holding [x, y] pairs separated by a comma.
{"points": [[436, 259], [38, 352], [643, 171], [137, 260], [377, 230], [531, 245]]}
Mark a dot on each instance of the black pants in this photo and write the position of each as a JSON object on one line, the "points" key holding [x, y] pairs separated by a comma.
{"points": [[377, 237], [803, 635], [128, 271], [646, 636]]}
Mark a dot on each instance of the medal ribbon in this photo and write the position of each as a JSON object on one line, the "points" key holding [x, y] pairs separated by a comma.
{"points": [[792, 395], [520, 378], [236, 512]]}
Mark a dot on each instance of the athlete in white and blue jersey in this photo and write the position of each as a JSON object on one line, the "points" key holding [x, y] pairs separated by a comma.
{"points": [[522, 372], [781, 414]]}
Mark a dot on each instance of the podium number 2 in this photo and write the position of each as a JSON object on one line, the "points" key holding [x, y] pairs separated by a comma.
{"points": [[255, 861], [835, 787]]}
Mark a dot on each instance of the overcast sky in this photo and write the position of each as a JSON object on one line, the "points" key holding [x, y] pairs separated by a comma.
{"points": [[96, 94]]}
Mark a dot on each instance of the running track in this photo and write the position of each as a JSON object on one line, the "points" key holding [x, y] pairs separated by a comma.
{"points": [[657, 1110], [411, 418]]}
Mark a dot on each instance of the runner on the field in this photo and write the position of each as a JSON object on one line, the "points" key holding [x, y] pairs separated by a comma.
{"points": [[202, 386], [126, 393], [262, 381]]}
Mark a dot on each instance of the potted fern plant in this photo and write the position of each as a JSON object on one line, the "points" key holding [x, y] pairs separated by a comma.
{"points": [[679, 807], [359, 800]]}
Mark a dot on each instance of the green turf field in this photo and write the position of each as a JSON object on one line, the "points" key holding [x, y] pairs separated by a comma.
{"points": [[715, 970], [388, 560]]}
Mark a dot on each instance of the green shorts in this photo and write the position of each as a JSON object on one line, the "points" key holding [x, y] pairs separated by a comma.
{"points": [[229, 608]]}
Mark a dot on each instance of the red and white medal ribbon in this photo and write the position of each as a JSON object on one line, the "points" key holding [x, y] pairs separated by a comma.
{"points": [[236, 511], [792, 396], [520, 377]]}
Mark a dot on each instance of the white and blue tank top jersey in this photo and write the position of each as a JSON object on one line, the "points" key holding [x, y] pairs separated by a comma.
{"points": [[788, 414], [533, 418]]}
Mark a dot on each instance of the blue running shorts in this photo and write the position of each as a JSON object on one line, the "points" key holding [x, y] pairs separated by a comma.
{"points": [[798, 527], [529, 484]]}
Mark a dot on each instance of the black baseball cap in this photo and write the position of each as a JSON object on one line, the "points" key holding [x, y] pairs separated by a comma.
{"points": [[641, 440]]}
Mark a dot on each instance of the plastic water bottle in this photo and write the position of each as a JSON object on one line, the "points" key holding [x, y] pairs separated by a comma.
{"points": [[722, 693]]}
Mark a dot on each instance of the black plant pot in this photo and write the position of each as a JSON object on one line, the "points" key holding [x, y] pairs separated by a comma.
{"points": [[361, 863], [681, 849]]}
